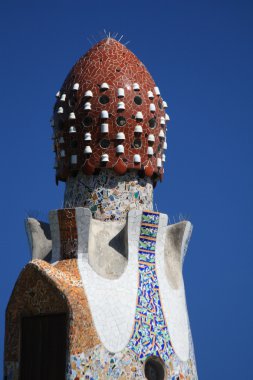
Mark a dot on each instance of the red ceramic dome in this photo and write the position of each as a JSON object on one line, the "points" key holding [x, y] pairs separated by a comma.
{"points": [[109, 114]]}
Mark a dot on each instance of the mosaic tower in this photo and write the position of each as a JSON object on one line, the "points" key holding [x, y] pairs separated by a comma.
{"points": [[103, 296]]}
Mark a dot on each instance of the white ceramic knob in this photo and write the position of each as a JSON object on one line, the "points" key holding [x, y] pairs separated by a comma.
{"points": [[138, 129], [120, 136], [104, 158], [139, 115], [104, 86], [152, 107], [76, 86], [72, 129], [157, 91], [137, 158], [104, 114], [87, 150], [120, 149], [88, 94], [121, 92], [136, 86], [159, 163], [150, 151], [121, 106], [151, 138], [72, 116], [87, 136], [104, 128]]}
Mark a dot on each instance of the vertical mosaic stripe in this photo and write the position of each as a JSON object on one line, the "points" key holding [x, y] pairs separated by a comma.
{"points": [[68, 233], [151, 336]]}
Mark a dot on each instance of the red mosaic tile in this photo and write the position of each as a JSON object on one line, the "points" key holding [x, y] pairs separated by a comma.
{"points": [[112, 63]]}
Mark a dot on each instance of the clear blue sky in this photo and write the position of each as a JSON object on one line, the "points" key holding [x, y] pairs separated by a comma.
{"points": [[201, 55]]}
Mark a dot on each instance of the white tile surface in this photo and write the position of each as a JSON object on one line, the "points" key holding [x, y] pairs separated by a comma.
{"points": [[113, 302]]}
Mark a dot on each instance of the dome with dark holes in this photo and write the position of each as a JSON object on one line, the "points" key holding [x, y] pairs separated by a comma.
{"points": [[109, 114]]}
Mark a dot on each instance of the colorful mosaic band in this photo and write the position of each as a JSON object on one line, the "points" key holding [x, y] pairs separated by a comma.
{"points": [[109, 196], [151, 336]]}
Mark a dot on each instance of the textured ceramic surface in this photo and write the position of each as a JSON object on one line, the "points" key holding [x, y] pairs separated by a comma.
{"points": [[119, 283], [114, 358], [151, 336], [108, 195], [109, 89], [46, 289], [114, 325]]}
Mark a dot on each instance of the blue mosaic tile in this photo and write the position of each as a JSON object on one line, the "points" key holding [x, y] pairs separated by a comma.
{"points": [[149, 231], [151, 336], [147, 244], [149, 217]]}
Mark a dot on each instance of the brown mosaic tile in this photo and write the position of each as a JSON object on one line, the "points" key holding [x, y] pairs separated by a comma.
{"points": [[68, 233], [44, 289]]}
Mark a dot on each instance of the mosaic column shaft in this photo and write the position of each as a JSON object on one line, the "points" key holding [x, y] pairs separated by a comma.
{"points": [[109, 196]]}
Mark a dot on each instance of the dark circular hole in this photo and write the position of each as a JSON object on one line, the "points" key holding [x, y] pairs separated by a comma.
{"points": [[87, 121], [104, 143], [74, 144], [138, 100], [104, 99], [137, 143], [154, 369], [160, 105], [118, 69], [121, 121], [152, 123]]}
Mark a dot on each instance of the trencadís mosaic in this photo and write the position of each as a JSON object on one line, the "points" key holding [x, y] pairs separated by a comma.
{"points": [[151, 336], [109, 196], [109, 114]]}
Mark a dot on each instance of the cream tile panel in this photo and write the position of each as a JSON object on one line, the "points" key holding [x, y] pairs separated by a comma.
{"points": [[113, 302]]}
